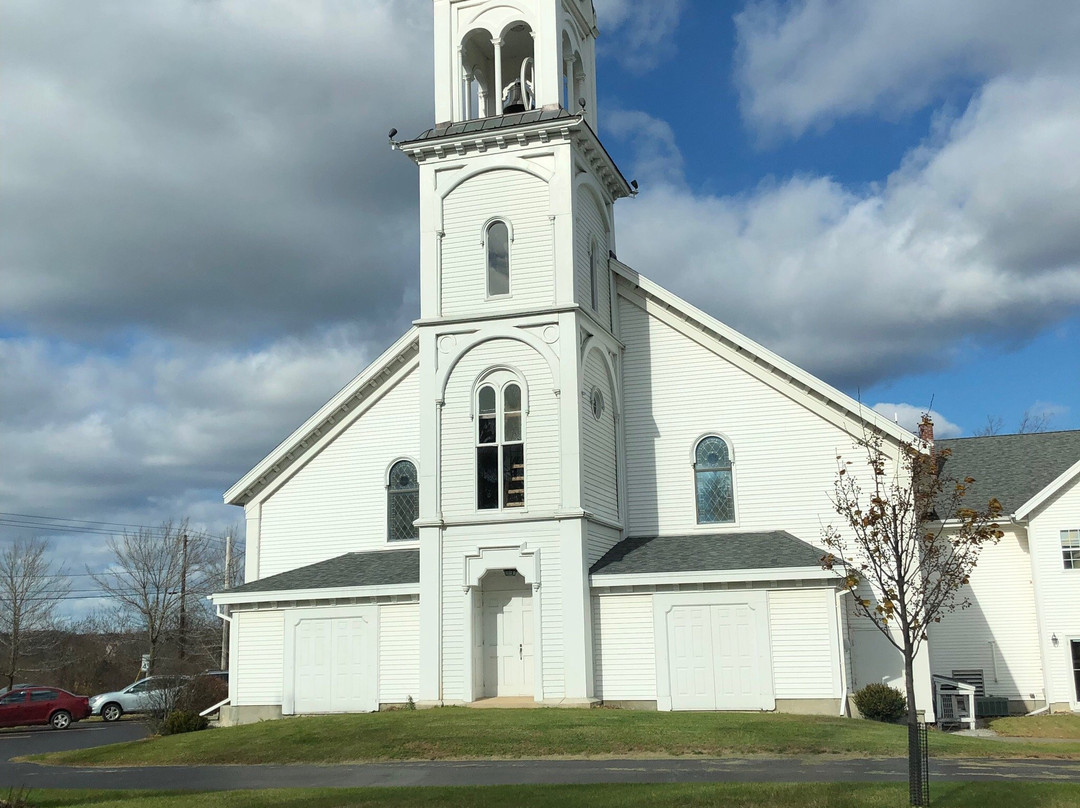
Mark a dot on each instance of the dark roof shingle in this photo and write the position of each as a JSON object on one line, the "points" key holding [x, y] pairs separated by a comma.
{"points": [[1013, 468], [492, 123], [775, 549], [382, 567]]}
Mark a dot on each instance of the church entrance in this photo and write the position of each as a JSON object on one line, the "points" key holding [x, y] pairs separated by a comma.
{"points": [[506, 618]]}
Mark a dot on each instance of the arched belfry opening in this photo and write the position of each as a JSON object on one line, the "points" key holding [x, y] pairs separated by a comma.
{"points": [[498, 73], [572, 85]]}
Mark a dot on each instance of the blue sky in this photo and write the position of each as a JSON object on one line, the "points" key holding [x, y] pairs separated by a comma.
{"points": [[205, 235]]}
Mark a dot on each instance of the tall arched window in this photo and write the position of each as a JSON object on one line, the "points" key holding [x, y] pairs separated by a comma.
{"points": [[402, 502], [497, 242], [712, 480], [500, 448]]}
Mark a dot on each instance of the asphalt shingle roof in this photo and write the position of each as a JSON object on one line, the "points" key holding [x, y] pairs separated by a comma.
{"points": [[493, 123], [1013, 468], [382, 567], [775, 549]]}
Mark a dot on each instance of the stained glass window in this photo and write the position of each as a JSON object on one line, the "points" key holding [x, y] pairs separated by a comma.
{"points": [[712, 478], [403, 502]]}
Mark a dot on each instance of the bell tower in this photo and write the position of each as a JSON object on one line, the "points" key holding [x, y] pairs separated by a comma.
{"points": [[499, 58]]}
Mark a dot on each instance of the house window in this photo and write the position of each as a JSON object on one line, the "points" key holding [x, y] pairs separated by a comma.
{"points": [[500, 448], [712, 479], [497, 242], [1070, 549], [402, 502]]}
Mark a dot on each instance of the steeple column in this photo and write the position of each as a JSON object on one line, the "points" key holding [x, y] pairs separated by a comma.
{"points": [[497, 42]]}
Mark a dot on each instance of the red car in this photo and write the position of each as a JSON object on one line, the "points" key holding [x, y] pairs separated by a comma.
{"points": [[42, 705]]}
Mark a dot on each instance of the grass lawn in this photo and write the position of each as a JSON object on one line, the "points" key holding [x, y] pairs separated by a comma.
{"points": [[450, 733], [1039, 726], [695, 795]]}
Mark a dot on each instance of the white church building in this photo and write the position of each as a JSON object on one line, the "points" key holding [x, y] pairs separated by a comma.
{"points": [[564, 484]]}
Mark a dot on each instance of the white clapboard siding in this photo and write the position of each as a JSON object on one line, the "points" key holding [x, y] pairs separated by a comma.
{"points": [[399, 652], [260, 649], [675, 391], [540, 427], [999, 627], [589, 226], [1058, 589], [624, 656], [805, 656], [458, 542], [520, 199], [601, 538], [336, 503], [600, 478]]}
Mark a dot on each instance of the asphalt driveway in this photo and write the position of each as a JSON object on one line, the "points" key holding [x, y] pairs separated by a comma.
{"points": [[80, 735]]}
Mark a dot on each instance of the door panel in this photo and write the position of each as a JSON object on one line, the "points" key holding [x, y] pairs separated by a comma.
{"points": [[508, 643], [13, 709], [690, 658], [334, 665]]}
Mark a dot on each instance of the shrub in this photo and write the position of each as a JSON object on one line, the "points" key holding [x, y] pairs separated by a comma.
{"points": [[179, 721], [201, 693], [879, 702]]}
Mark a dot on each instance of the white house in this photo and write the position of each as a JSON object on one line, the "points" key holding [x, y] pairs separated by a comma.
{"points": [[1020, 639], [563, 484]]}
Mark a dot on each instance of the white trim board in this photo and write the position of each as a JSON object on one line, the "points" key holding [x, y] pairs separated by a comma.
{"points": [[714, 576], [280, 595]]}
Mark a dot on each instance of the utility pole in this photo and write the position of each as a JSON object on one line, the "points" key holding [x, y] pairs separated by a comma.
{"points": [[183, 593], [224, 622]]}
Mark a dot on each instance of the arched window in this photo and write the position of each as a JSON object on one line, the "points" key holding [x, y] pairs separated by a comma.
{"points": [[497, 242], [712, 480], [500, 448], [402, 502]]}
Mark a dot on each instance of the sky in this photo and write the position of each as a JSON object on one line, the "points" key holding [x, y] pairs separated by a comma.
{"points": [[204, 234]]}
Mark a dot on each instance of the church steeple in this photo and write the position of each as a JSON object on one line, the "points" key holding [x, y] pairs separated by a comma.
{"points": [[495, 58]]}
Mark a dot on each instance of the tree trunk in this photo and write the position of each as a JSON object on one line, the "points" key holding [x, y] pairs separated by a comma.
{"points": [[915, 762]]}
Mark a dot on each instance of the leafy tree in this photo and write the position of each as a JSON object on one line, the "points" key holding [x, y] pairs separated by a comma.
{"points": [[30, 590], [906, 543]]}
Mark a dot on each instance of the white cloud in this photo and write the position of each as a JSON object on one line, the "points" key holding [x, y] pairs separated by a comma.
{"points": [[643, 33], [805, 64], [909, 417], [972, 238]]}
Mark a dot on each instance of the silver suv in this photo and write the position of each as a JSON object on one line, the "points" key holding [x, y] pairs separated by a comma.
{"points": [[148, 695]]}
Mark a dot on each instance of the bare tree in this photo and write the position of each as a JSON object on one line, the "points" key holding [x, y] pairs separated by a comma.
{"points": [[1030, 422], [155, 572], [906, 544], [30, 590]]}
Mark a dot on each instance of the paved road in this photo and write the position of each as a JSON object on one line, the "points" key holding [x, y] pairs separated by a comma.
{"points": [[80, 735], [525, 772]]}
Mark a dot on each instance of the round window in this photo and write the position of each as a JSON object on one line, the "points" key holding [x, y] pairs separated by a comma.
{"points": [[597, 400]]}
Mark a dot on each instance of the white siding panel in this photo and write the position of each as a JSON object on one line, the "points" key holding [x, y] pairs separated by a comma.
{"points": [[1058, 589], [260, 657], [676, 390], [601, 539], [399, 652], [600, 478], [521, 199], [997, 633], [804, 647], [624, 655], [336, 503], [589, 225]]}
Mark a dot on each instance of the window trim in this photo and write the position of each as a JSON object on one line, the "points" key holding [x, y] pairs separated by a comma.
{"points": [[1070, 555], [386, 486], [713, 526], [487, 256], [491, 378]]}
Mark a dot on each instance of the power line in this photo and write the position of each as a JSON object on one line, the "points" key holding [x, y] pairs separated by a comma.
{"points": [[56, 524]]}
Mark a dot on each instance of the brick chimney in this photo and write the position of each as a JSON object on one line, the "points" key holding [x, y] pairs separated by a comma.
{"points": [[926, 431]]}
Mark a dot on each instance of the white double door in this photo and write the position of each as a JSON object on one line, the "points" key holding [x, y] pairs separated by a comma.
{"points": [[334, 669], [713, 657], [507, 622]]}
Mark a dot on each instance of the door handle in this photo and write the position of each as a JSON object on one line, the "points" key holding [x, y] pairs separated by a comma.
{"points": [[521, 650]]}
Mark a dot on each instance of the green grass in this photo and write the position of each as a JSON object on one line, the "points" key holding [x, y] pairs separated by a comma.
{"points": [[451, 733], [1039, 726], [685, 795]]}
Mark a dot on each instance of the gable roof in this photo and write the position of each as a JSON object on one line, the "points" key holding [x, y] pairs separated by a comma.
{"points": [[708, 552], [759, 360], [336, 411], [1017, 469], [375, 568]]}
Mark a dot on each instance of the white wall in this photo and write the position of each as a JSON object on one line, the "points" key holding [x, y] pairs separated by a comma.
{"points": [[399, 652], [1002, 612], [599, 478], [1057, 589], [589, 225], [336, 502], [805, 652], [601, 539], [521, 199], [258, 666], [624, 659]]}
